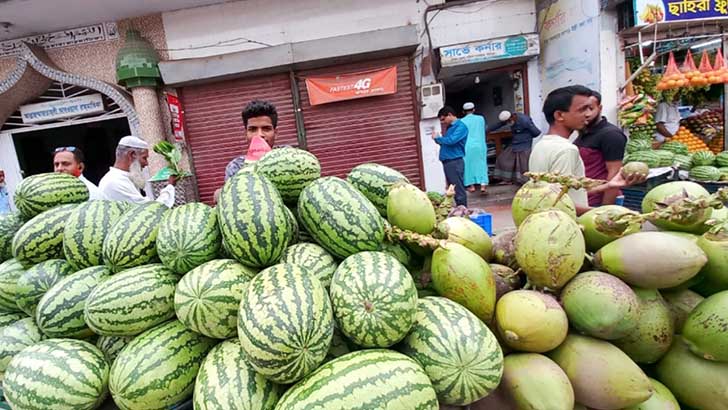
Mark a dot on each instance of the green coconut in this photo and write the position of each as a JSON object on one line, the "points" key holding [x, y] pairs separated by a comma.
{"points": [[653, 260], [665, 194], [467, 233], [535, 382], [603, 225], [461, 275], [531, 321], [603, 376], [695, 382], [550, 249], [706, 329], [504, 248], [662, 399], [652, 336], [506, 279], [601, 305], [681, 303], [715, 271], [536, 196], [409, 208]]}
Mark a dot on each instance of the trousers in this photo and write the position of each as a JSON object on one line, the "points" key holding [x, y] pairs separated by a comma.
{"points": [[454, 172]]}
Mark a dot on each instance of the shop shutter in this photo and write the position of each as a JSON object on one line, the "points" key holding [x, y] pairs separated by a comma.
{"points": [[375, 129], [215, 127]]}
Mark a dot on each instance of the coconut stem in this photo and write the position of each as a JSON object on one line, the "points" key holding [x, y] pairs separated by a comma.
{"points": [[443, 210], [394, 233], [567, 181]]}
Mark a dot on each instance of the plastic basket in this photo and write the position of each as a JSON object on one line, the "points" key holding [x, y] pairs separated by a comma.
{"points": [[485, 221], [633, 195], [713, 187]]}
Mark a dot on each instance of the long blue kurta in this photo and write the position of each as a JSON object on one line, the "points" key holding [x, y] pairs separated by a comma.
{"points": [[476, 151]]}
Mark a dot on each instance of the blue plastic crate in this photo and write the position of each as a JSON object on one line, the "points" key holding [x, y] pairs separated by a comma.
{"points": [[485, 221]]}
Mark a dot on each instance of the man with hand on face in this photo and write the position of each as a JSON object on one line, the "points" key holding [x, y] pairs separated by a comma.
{"points": [[71, 161], [452, 152], [126, 178]]}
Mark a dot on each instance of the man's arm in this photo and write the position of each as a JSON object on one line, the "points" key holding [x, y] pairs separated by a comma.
{"points": [[612, 146], [498, 125], [453, 135], [532, 129], [610, 195], [566, 163], [663, 130]]}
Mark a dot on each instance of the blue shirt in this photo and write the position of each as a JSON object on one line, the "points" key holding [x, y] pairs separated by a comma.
{"points": [[452, 144], [4, 200]]}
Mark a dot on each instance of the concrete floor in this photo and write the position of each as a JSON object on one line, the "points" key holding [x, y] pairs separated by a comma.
{"points": [[497, 203]]}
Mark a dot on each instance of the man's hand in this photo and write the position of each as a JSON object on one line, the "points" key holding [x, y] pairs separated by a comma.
{"points": [[172, 180], [620, 182]]}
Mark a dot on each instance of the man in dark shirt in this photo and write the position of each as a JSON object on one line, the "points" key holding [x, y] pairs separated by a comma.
{"points": [[512, 163], [601, 147]]}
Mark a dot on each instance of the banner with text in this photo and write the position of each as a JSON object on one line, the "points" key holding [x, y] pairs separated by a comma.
{"points": [[323, 90], [65, 108], [656, 11]]}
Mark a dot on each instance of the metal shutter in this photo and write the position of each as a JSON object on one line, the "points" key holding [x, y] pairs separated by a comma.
{"points": [[215, 128], [375, 129]]}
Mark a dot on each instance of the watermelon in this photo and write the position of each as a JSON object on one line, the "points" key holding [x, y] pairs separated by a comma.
{"points": [[7, 318], [9, 224], [367, 379], [705, 173], [207, 298], [37, 280], [676, 147], [253, 220], [665, 157], [39, 193], [634, 145], [703, 158], [16, 337], [132, 240], [157, 369], [721, 159], [340, 345], [112, 345], [648, 157], [374, 181], [684, 162], [290, 170], [285, 323], [10, 271], [441, 341], [87, 227], [60, 310], [293, 235], [340, 218], [723, 173], [313, 258], [132, 301], [374, 299], [226, 381], [58, 374], [41, 238], [188, 237]]}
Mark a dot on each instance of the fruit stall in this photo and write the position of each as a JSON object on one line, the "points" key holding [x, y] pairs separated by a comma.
{"points": [[303, 292]]}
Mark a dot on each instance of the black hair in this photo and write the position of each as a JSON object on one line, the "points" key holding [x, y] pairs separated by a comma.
{"points": [[560, 100], [445, 111], [597, 95], [77, 154], [260, 108]]}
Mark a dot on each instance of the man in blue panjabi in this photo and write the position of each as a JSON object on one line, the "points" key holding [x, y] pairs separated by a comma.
{"points": [[476, 151], [452, 151]]}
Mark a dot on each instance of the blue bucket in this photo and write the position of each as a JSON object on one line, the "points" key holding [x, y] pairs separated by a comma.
{"points": [[485, 221]]}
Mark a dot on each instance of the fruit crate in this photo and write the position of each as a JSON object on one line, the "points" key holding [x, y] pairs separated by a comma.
{"points": [[633, 195]]}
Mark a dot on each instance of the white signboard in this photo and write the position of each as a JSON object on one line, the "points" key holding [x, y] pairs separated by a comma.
{"points": [[65, 38], [66, 108], [490, 50]]}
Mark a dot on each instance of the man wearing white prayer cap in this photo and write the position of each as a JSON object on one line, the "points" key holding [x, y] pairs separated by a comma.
{"points": [[126, 178]]}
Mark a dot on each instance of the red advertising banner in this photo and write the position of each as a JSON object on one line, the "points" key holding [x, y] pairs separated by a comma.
{"points": [[323, 90], [178, 117]]}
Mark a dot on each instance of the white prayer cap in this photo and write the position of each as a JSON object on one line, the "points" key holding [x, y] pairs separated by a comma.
{"points": [[468, 106], [504, 116], [133, 142]]}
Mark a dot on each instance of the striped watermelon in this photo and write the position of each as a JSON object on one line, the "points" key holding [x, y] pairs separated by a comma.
{"points": [[132, 240], [367, 379], [285, 323], [253, 220], [9, 224], [110, 346], [313, 258], [158, 368], [226, 381], [7, 318], [374, 181], [721, 159], [39, 193], [16, 337], [36, 281], [60, 310], [340, 345], [87, 227], [10, 271], [58, 374], [41, 238], [303, 235], [132, 301], [290, 170], [188, 237], [207, 298], [340, 218], [705, 158], [459, 353], [374, 299], [293, 238]]}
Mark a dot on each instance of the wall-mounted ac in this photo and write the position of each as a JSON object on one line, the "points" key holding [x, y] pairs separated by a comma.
{"points": [[433, 98]]}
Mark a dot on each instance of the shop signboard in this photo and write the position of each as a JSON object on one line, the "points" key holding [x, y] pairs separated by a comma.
{"points": [[490, 50], [328, 89], [178, 117], [657, 11], [64, 108]]}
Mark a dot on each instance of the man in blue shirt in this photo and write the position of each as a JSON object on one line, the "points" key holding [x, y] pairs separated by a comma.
{"points": [[452, 151], [4, 197]]}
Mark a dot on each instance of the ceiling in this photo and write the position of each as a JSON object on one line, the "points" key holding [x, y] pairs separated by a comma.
{"points": [[22, 18]]}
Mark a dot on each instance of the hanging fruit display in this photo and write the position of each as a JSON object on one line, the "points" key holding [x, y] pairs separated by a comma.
{"points": [[673, 77], [720, 72], [636, 110]]}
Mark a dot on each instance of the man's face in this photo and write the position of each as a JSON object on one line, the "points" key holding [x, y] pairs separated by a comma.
{"points": [[261, 127], [447, 119], [580, 113], [596, 109], [142, 156], [66, 163]]}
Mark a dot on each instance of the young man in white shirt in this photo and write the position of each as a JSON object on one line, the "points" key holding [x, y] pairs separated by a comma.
{"points": [[667, 120], [569, 109], [71, 161]]}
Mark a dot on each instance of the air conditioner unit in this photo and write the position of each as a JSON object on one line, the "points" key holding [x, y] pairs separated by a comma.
{"points": [[433, 98]]}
